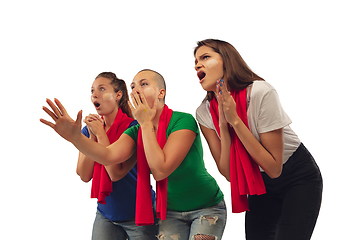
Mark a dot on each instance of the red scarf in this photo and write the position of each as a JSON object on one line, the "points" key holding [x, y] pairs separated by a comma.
{"points": [[144, 210], [245, 176], [101, 183]]}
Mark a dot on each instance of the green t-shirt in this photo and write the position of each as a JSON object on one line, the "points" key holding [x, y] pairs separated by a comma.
{"points": [[190, 186]]}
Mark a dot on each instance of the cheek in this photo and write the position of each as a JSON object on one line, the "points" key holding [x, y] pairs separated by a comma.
{"points": [[108, 97], [149, 92], [216, 66]]}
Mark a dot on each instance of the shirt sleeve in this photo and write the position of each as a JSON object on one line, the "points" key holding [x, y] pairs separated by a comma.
{"points": [[133, 123], [203, 115], [133, 132], [184, 121], [85, 131], [271, 114]]}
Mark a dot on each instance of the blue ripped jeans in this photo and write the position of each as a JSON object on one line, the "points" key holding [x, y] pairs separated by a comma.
{"points": [[105, 229], [207, 223]]}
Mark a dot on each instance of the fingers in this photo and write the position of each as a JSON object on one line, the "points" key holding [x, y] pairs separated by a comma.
{"points": [[56, 112], [50, 113], [222, 90], [79, 117], [131, 107], [138, 98], [58, 109], [155, 105], [61, 107], [143, 98], [133, 99], [50, 124], [93, 117]]}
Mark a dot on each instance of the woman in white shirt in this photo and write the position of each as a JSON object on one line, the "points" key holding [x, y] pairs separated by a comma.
{"points": [[245, 110]]}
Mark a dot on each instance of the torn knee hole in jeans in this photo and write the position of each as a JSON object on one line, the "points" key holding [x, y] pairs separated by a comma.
{"points": [[204, 237], [210, 220], [161, 236]]}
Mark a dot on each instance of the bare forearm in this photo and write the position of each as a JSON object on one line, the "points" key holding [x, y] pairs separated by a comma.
{"points": [[95, 151], [224, 161], [118, 171], [85, 167], [154, 154], [271, 164]]}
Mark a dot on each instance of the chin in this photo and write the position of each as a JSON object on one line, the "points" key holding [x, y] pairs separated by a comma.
{"points": [[208, 87]]}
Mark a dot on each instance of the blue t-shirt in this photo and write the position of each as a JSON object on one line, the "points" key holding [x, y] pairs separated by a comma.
{"points": [[120, 204]]}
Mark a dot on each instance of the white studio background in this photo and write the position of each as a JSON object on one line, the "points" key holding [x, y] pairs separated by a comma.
{"points": [[308, 50]]}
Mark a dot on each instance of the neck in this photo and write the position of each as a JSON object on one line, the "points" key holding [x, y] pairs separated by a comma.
{"points": [[110, 118], [157, 116]]}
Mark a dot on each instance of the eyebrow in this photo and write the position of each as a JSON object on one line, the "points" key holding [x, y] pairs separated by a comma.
{"points": [[141, 80], [196, 61], [101, 85]]}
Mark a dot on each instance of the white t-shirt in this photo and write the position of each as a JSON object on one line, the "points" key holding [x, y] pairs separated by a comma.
{"points": [[264, 114]]}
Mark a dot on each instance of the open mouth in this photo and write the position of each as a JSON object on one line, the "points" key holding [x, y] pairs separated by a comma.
{"points": [[97, 104], [201, 75]]}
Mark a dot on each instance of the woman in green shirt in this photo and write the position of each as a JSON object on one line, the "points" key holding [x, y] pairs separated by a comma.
{"points": [[195, 205]]}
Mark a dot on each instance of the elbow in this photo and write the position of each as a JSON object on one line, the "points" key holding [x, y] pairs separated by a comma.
{"points": [[225, 172], [115, 178], [85, 179], [159, 176], [275, 173]]}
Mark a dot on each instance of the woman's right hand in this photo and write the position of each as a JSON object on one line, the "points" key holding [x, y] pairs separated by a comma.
{"points": [[222, 118], [64, 125], [95, 125]]}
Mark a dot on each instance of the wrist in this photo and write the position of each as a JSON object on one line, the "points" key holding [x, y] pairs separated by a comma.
{"points": [[147, 125], [236, 122], [101, 136]]}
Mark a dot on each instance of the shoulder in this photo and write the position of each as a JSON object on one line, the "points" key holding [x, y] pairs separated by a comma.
{"points": [[133, 123], [203, 108], [85, 131], [261, 88], [263, 93], [133, 131], [203, 115], [182, 115], [182, 120]]}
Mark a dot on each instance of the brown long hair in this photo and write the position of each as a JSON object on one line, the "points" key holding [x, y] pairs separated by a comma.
{"points": [[236, 71], [118, 85]]}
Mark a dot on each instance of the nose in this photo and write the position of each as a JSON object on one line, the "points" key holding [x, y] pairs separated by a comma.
{"points": [[94, 94], [197, 66], [135, 88]]}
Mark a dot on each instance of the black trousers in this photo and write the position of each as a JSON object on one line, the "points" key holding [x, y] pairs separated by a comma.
{"points": [[289, 209]]}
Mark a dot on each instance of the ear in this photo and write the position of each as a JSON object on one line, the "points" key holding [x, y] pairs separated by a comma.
{"points": [[119, 95], [161, 94]]}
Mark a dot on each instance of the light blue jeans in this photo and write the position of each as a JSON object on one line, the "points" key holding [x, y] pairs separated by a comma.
{"points": [[207, 223], [105, 229]]}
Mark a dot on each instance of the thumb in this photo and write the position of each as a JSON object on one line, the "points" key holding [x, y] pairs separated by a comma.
{"points": [[79, 117], [155, 104]]}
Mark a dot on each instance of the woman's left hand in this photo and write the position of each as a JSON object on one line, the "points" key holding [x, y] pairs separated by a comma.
{"points": [[95, 124], [227, 103], [64, 125], [140, 108]]}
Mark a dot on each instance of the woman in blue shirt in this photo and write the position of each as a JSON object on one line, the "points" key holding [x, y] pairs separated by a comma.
{"points": [[115, 217]]}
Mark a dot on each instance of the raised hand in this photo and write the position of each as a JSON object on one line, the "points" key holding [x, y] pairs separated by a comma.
{"points": [[64, 125], [226, 103], [140, 107], [222, 119], [95, 125]]}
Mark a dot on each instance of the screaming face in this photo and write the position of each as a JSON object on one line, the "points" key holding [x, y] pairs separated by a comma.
{"points": [[209, 67]]}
